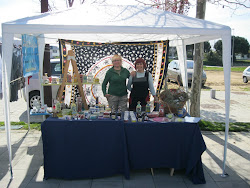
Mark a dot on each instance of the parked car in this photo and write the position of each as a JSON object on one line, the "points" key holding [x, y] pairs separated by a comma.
{"points": [[34, 84], [174, 72], [246, 74]]}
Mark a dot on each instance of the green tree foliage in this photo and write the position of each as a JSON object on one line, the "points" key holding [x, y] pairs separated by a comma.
{"points": [[213, 59], [190, 49], [241, 46], [218, 47], [207, 47]]}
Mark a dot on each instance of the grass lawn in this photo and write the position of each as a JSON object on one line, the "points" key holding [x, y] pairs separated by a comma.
{"points": [[35, 126], [204, 126], [233, 69], [220, 126]]}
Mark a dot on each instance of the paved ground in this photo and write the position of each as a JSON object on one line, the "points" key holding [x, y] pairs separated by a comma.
{"points": [[28, 154], [28, 166]]}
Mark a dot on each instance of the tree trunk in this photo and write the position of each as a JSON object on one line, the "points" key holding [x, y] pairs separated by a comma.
{"points": [[46, 60], [198, 66]]}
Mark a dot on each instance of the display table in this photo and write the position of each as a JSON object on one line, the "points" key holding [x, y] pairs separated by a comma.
{"points": [[83, 149], [92, 149], [172, 145]]}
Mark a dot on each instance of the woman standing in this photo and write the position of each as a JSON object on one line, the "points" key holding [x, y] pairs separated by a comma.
{"points": [[117, 91], [140, 83]]}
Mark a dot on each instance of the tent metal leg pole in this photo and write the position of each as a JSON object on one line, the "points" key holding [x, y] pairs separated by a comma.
{"points": [[27, 99], [7, 49], [7, 128], [7, 118], [224, 174], [226, 41], [185, 69]]}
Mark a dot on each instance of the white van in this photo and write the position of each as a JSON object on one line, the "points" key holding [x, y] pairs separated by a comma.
{"points": [[34, 84]]}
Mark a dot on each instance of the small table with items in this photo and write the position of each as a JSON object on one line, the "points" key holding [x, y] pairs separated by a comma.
{"points": [[75, 149]]}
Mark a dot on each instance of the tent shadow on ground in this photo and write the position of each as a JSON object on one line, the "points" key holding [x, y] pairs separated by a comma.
{"points": [[230, 146], [214, 116], [36, 119], [23, 171], [232, 174], [35, 164], [4, 157], [213, 162]]}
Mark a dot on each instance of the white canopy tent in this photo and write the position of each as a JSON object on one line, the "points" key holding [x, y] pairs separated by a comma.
{"points": [[115, 23]]}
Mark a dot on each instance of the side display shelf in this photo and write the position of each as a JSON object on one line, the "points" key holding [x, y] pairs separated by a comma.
{"points": [[71, 58]]}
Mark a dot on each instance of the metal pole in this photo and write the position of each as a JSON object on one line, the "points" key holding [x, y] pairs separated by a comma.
{"points": [[232, 63], [27, 99], [7, 45], [224, 174]]}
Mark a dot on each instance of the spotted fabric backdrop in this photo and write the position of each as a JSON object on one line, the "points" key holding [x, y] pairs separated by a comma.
{"points": [[95, 58]]}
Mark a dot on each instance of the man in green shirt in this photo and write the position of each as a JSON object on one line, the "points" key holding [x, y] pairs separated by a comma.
{"points": [[117, 91]]}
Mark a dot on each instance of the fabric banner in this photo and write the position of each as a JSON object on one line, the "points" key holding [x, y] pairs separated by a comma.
{"points": [[30, 55], [95, 59]]}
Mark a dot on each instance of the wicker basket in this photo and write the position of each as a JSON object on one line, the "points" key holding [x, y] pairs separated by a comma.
{"points": [[172, 109], [173, 100]]}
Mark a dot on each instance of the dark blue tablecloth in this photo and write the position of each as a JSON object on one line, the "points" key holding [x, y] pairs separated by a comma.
{"points": [[93, 149], [172, 145], [83, 149]]}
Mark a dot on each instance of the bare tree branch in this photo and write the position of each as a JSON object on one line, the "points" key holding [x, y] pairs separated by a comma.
{"points": [[176, 6], [70, 2], [232, 4]]}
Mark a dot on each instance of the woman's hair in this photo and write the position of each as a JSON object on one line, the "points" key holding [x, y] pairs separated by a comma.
{"points": [[116, 57], [140, 60]]}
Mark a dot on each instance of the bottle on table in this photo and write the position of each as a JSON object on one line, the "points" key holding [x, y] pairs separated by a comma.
{"points": [[139, 117], [58, 107], [146, 117], [45, 78], [161, 111], [138, 107], [63, 105], [113, 113], [97, 102], [73, 108], [148, 107], [119, 114]]}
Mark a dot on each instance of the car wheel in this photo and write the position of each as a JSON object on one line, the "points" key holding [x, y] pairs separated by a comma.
{"points": [[245, 79], [34, 95]]}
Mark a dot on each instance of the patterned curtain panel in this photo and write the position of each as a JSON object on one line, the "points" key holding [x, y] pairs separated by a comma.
{"points": [[95, 59]]}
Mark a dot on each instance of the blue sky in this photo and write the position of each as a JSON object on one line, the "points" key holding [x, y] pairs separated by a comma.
{"points": [[238, 20]]}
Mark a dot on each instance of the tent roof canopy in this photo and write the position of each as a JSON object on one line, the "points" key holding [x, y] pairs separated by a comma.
{"points": [[116, 23]]}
